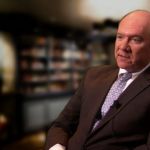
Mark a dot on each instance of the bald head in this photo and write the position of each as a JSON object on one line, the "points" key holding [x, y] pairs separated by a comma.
{"points": [[141, 17], [144, 12], [132, 47]]}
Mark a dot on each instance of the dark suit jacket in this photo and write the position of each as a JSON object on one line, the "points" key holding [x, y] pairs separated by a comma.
{"points": [[125, 127]]}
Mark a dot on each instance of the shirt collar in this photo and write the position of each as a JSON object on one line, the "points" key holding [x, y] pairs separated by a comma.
{"points": [[135, 74]]}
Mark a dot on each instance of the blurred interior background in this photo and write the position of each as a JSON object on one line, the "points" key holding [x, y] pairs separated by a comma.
{"points": [[45, 48]]}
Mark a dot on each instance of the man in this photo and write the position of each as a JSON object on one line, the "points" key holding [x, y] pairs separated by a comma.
{"points": [[84, 124]]}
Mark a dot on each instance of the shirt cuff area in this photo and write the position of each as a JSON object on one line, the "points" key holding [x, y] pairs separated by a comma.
{"points": [[57, 147]]}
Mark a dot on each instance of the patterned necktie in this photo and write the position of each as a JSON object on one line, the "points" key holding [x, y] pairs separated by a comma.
{"points": [[113, 94]]}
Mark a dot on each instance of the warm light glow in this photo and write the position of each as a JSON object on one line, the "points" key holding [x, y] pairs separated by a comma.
{"points": [[98, 10], [3, 119], [7, 63]]}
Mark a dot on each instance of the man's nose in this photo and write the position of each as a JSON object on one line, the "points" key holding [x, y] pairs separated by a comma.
{"points": [[125, 45]]}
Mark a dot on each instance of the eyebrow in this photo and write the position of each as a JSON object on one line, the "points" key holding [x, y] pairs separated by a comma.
{"points": [[132, 35]]}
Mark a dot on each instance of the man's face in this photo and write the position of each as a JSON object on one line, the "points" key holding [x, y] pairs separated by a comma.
{"points": [[132, 46]]}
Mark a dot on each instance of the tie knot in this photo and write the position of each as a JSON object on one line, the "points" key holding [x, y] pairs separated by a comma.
{"points": [[125, 76]]}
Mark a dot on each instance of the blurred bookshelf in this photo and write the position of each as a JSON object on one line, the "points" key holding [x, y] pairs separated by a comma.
{"points": [[50, 66], [50, 61]]}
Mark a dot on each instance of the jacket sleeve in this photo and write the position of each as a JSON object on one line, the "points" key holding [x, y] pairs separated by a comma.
{"points": [[66, 123]]}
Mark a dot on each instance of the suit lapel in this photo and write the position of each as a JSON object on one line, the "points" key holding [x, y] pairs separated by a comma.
{"points": [[137, 86], [98, 95]]}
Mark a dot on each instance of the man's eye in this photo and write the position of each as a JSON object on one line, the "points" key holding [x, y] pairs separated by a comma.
{"points": [[119, 37], [136, 39]]}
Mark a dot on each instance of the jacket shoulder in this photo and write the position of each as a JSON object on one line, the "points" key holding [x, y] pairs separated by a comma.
{"points": [[101, 70]]}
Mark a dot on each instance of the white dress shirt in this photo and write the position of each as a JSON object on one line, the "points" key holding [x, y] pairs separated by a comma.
{"points": [[134, 75]]}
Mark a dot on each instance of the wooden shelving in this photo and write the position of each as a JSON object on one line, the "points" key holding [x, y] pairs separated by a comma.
{"points": [[50, 66]]}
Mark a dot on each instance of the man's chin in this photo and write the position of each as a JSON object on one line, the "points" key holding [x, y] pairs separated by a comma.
{"points": [[124, 66]]}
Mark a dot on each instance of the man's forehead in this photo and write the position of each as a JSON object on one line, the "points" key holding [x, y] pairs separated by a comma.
{"points": [[132, 27]]}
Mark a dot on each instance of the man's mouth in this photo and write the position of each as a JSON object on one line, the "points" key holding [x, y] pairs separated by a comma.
{"points": [[123, 56]]}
